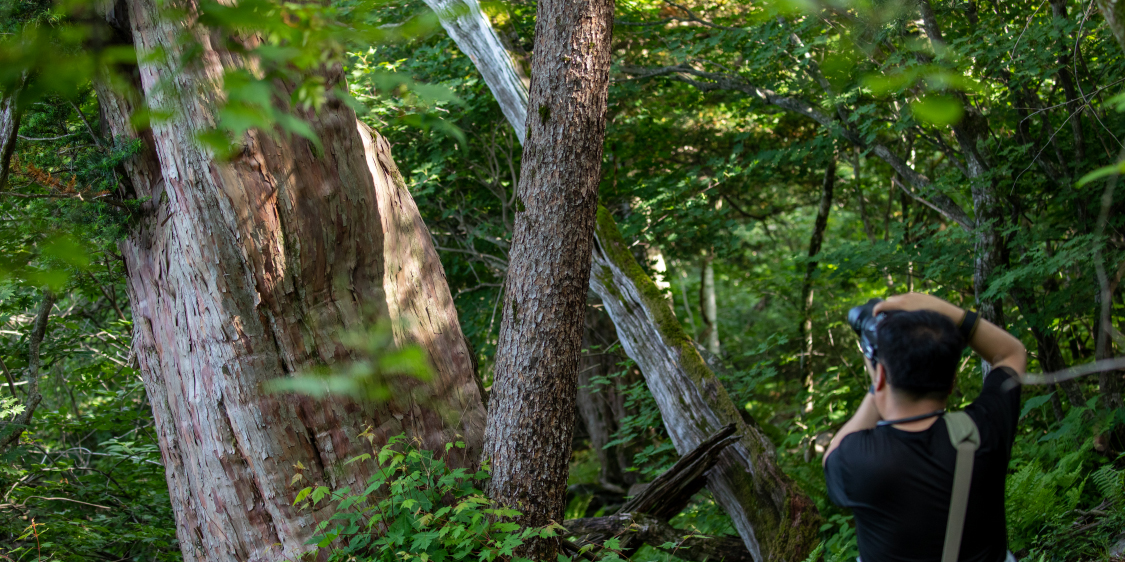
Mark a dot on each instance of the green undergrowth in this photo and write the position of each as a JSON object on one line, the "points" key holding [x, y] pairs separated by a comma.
{"points": [[416, 507]]}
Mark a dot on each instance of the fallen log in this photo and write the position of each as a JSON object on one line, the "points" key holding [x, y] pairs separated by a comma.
{"points": [[637, 528], [670, 492], [775, 519], [643, 518]]}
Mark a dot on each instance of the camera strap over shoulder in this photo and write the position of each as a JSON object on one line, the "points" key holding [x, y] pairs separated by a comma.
{"points": [[965, 437]]}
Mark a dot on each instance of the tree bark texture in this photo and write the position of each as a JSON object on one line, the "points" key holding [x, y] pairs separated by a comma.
{"points": [[471, 31], [531, 406], [245, 271], [9, 131], [775, 519], [422, 308], [740, 488]]}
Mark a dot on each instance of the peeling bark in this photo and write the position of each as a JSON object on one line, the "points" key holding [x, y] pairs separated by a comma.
{"points": [[422, 308], [774, 518], [243, 271]]}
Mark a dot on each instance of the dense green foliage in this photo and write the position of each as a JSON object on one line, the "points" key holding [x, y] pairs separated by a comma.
{"points": [[416, 507], [697, 166]]}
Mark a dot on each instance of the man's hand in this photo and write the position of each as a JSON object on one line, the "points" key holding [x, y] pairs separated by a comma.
{"points": [[921, 301], [992, 343]]}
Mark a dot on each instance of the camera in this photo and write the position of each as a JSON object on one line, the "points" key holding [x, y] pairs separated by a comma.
{"points": [[864, 321]]}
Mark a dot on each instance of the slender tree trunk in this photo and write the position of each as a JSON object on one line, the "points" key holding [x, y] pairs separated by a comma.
{"points": [[9, 130], [34, 340], [245, 271], [531, 408], [815, 242], [600, 403], [775, 519], [708, 309]]}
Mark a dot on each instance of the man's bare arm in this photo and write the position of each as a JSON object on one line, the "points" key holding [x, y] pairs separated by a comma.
{"points": [[991, 342]]}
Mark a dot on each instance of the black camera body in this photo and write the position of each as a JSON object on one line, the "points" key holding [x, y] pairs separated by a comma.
{"points": [[865, 322]]}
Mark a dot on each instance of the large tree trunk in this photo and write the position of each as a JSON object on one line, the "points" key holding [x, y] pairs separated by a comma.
{"points": [[531, 407], [245, 271], [774, 518]]}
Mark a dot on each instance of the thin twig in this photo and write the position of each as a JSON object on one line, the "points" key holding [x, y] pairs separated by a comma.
{"points": [[89, 129]]}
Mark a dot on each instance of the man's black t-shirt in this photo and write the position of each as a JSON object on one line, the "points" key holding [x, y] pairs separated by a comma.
{"points": [[898, 483]]}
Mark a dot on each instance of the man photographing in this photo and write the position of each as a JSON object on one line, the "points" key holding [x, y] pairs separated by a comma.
{"points": [[893, 462]]}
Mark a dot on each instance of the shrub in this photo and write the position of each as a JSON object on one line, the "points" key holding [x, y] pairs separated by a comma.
{"points": [[415, 507]]}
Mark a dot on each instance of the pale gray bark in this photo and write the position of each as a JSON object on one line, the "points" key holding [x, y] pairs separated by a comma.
{"points": [[471, 30], [774, 518], [9, 129], [709, 310], [531, 406], [244, 271]]}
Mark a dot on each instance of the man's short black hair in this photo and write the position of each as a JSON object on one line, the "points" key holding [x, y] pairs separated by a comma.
{"points": [[920, 350]]}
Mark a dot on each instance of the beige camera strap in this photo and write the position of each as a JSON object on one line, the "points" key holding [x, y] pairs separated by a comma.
{"points": [[965, 437]]}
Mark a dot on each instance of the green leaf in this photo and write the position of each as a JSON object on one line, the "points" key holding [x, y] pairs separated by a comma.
{"points": [[1102, 172], [1035, 402], [302, 495], [937, 109]]}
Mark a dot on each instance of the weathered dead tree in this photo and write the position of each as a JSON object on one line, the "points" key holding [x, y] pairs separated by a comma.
{"points": [[644, 518], [473, 33], [775, 519], [640, 528]]}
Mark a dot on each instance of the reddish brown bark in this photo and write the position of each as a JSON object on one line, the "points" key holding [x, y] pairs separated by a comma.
{"points": [[531, 408], [244, 271]]}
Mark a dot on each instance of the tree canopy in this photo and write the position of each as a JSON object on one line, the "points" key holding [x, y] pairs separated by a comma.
{"points": [[967, 149]]}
